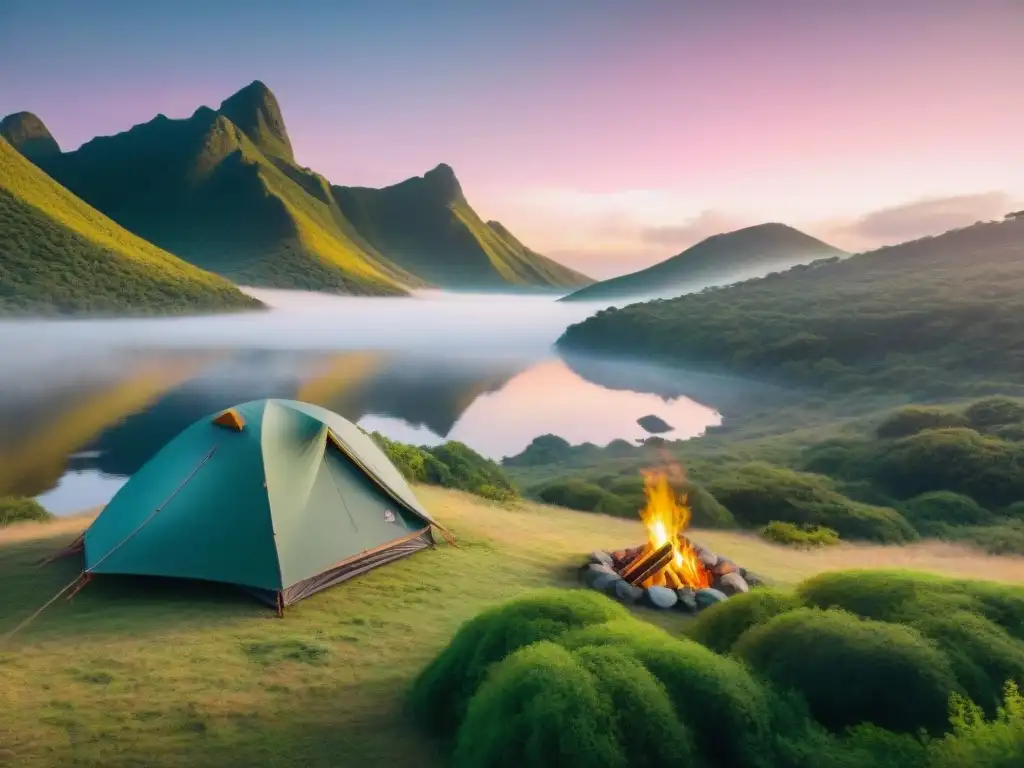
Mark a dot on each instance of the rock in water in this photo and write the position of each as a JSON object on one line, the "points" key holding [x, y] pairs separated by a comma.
{"points": [[708, 596], [626, 592], [654, 424], [687, 599], [732, 584], [661, 597]]}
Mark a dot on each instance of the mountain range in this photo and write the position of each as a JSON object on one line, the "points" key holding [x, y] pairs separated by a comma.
{"points": [[724, 258], [60, 255], [221, 189]]}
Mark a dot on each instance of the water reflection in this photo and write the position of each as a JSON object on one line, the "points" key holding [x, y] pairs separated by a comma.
{"points": [[83, 404], [71, 442]]}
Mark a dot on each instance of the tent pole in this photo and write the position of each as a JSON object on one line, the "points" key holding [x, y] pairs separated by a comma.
{"points": [[280, 605]]}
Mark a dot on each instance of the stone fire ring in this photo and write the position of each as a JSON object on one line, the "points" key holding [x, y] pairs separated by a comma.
{"points": [[728, 579]]}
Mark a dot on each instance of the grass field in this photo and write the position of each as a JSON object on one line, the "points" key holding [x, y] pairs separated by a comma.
{"points": [[163, 673]]}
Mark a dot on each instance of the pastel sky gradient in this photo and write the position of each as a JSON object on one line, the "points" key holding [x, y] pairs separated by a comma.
{"points": [[607, 133]]}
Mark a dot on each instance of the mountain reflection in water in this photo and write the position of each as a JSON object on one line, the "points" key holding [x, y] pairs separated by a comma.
{"points": [[76, 430]]}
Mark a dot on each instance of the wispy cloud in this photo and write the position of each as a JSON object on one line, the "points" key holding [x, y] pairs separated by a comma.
{"points": [[908, 221]]}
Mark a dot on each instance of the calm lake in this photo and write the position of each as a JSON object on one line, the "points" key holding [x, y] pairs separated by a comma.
{"points": [[83, 404]]}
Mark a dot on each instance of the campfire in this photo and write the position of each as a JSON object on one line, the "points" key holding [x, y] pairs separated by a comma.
{"points": [[668, 559], [669, 569]]}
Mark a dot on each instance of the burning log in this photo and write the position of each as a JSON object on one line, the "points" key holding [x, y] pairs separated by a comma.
{"points": [[648, 564]]}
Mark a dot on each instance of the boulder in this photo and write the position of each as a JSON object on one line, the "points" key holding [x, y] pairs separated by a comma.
{"points": [[687, 599], [732, 584], [708, 558], [601, 558], [724, 566], [709, 596], [603, 580], [660, 597], [752, 579], [626, 592], [593, 570]]}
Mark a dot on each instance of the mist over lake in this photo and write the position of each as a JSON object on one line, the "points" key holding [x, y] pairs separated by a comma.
{"points": [[84, 403]]}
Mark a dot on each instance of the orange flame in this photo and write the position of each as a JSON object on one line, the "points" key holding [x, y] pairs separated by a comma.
{"points": [[666, 518]]}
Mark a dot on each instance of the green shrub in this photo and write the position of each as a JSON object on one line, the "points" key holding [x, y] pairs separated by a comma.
{"points": [[17, 509], [646, 726], [585, 497], [624, 497], [1001, 537], [799, 535], [442, 691], [987, 469], [731, 716], [997, 743], [916, 418], [451, 465], [757, 494], [995, 411], [721, 625], [982, 654], [852, 670], [905, 596], [540, 706], [937, 508]]}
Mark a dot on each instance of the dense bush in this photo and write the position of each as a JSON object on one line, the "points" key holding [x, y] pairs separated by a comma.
{"points": [[624, 497], [575, 493], [451, 465], [902, 596], [799, 535], [978, 625], [996, 743], [916, 418], [987, 469], [930, 511], [995, 411], [852, 670], [442, 691], [16, 509], [721, 625], [758, 494], [570, 678]]}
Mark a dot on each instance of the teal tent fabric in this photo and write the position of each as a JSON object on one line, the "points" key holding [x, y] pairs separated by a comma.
{"points": [[278, 497]]}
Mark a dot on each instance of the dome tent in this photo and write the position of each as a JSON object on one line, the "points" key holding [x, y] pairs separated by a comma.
{"points": [[278, 497]]}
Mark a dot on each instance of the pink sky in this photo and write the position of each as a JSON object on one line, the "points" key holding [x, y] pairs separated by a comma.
{"points": [[609, 135]]}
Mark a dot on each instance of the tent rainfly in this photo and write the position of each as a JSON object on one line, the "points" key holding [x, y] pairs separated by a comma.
{"points": [[278, 497]]}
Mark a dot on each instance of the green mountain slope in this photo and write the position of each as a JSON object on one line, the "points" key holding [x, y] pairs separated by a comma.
{"points": [[59, 255], [227, 198], [221, 189], [726, 258], [924, 316], [426, 224]]}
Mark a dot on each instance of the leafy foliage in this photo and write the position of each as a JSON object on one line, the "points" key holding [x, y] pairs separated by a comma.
{"points": [[452, 465], [18, 509], [759, 494], [440, 695], [721, 625], [804, 535], [821, 652]]}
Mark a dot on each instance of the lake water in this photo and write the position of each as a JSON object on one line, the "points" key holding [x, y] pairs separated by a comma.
{"points": [[83, 404]]}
